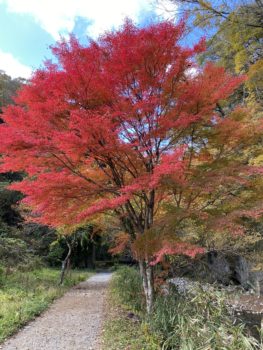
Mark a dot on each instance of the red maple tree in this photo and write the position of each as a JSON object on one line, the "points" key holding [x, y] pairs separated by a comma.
{"points": [[107, 125]]}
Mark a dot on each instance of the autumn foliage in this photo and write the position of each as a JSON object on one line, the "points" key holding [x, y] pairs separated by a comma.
{"points": [[127, 124]]}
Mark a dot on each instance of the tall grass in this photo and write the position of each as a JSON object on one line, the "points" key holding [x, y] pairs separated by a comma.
{"points": [[127, 286], [183, 322], [200, 322]]}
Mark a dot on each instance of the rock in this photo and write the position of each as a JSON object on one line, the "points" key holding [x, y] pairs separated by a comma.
{"points": [[256, 281], [239, 269], [247, 309], [183, 285], [219, 267], [228, 268]]}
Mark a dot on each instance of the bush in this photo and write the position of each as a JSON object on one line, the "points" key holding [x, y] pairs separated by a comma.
{"points": [[32, 263], [197, 322], [12, 251], [55, 255], [127, 285]]}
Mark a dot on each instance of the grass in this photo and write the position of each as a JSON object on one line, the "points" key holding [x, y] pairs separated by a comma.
{"points": [[123, 330], [199, 321], [24, 295]]}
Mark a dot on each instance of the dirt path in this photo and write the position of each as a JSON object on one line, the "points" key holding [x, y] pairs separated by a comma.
{"points": [[73, 322]]}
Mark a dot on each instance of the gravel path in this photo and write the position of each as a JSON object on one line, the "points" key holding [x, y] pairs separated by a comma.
{"points": [[73, 322]]}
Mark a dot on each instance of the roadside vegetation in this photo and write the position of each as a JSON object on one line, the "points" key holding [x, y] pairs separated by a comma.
{"points": [[179, 322], [24, 295]]}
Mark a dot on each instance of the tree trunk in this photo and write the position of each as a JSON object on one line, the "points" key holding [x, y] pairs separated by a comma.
{"points": [[139, 224], [145, 268], [93, 256], [65, 264], [146, 272]]}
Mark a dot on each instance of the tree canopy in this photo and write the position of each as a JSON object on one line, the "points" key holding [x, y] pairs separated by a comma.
{"points": [[125, 125]]}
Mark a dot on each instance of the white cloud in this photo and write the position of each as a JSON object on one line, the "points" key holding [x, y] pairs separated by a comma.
{"points": [[58, 17], [13, 67], [166, 9]]}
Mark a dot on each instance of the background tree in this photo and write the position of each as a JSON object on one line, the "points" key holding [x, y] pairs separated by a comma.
{"points": [[238, 48], [80, 246], [8, 89], [8, 211], [234, 30], [112, 124], [213, 13]]}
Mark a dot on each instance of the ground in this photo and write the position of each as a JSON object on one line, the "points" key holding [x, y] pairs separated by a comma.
{"points": [[72, 322]]}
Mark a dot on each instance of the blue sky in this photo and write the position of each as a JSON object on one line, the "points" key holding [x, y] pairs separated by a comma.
{"points": [[29, 27]]}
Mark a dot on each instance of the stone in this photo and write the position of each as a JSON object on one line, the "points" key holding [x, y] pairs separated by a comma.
{"points": [[256, 281]]}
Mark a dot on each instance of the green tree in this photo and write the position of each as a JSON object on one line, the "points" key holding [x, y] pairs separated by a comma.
{"points": [[239, 48], [8, 88], [205, 13], [234, 31]]}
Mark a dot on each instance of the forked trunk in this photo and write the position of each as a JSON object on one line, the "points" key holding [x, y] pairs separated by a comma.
{"points": [[146, 272]]}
